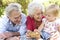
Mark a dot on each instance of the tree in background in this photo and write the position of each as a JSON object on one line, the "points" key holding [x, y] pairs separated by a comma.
{"points": [[24, 3], [4, 3], [52, 2]]}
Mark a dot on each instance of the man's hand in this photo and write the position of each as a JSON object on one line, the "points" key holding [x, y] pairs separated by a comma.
{"points": [[2, 36], [13, 38], [8, 34]]}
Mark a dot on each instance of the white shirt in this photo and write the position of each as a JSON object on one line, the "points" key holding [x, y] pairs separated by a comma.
{"points": [[51, 27]]}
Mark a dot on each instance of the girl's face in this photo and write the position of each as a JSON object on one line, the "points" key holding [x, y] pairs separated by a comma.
{"points": [[50, 16]]}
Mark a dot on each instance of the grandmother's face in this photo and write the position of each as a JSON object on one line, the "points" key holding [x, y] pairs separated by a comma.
{"points": [[15, 17], [38, 14]]}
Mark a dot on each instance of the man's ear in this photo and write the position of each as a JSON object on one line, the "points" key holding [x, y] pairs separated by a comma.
{"points": [[8, 17]]}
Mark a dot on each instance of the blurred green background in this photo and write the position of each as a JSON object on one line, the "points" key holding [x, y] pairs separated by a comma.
{"points": [[24, 3]]}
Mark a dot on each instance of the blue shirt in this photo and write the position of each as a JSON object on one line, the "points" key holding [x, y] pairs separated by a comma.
{"points": [[7, 26]]}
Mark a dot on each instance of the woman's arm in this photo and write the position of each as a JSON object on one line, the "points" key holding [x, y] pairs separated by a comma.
{"points": [[41, 27]]}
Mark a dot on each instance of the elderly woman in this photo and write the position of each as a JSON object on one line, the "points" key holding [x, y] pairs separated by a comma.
{"points": [[12, 24], [34, 19]]}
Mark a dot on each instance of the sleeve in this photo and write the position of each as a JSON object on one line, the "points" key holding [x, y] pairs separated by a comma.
{"points": [[22, 29], [2, 27], [58, 22], [44, 20]]}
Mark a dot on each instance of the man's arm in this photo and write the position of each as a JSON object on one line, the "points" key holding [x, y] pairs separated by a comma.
{"points": [[9, 34], [12, 34], [22, 30], [4, 33]]}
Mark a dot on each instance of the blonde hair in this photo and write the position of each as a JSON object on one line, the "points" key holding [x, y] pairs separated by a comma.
{"points": [[53, 8]]}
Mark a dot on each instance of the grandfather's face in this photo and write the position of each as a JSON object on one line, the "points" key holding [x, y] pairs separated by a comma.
{"points": [[15, 17], [38, 15]]}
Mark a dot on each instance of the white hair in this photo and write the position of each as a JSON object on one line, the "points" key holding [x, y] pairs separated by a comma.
{"points": [[12, 6], [32, 6]]}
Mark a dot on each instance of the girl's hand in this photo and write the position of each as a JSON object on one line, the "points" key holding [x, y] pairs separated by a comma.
{"points": [[36, 30]]}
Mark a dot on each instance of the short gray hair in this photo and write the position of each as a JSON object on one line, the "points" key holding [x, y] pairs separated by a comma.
{"points": [[12, 6], [32, 6]]}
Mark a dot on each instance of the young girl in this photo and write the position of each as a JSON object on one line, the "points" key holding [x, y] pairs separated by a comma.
{"points": [[51, 24]]}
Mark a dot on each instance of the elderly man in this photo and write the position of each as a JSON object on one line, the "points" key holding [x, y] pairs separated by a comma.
{"points": [[12, 24]]}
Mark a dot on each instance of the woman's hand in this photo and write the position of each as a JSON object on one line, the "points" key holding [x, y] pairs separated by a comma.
{"points": [[28, 34], [37, 34], [36, 30]]}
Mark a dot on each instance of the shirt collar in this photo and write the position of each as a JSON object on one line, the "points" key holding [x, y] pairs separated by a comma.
{"points": [[12, 24], [22, 21]]}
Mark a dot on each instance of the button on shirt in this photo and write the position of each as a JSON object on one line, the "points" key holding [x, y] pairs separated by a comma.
{"points": [[7, 26]]}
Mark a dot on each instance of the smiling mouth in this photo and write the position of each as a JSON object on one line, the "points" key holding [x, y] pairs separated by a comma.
{"points": [[38, 18]]}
